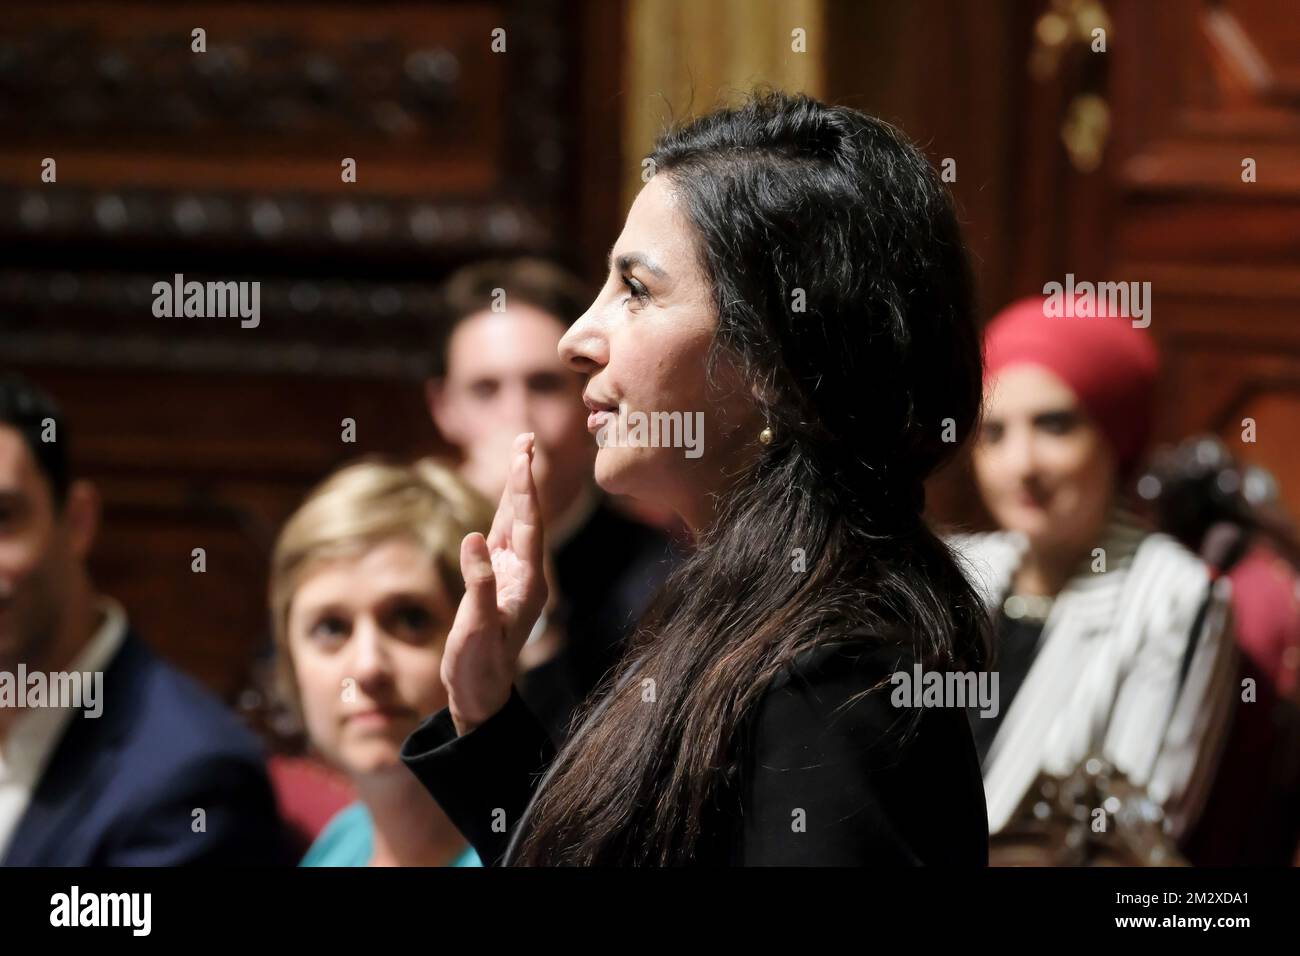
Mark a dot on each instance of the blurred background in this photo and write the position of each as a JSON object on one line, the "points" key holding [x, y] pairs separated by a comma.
{"points": [[1125, 166]]}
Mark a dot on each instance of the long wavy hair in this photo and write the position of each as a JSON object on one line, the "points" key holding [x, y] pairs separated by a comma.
{"points": [[843, 293]]}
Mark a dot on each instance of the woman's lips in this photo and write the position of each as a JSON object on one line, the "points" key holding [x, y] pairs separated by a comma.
{"points": [[600, 411], [1033, 502], [377, 717]]}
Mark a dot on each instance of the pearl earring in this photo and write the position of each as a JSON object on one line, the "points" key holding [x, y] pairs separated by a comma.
{"points": [[765, 436]]}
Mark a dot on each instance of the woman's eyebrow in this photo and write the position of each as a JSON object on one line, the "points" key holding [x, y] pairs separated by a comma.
{"points": [[316, 611], [629, 259]]}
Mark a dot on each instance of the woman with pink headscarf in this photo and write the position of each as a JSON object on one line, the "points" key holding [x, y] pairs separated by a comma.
{"points": [[1113, 647]]}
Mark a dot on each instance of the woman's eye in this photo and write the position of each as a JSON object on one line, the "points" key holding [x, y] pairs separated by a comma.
{"points": [[637, 290], [329, 629], [11, 514], [415, 619], [1057, 424]]}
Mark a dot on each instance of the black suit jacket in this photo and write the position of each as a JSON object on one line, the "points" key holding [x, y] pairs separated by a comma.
{"points": [[121, 789], [866, 793]]}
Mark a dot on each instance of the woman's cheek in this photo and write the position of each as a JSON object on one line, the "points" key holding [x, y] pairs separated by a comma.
{"points": [[320, 704], [1080, 467], [419, 680], [990, 477]]}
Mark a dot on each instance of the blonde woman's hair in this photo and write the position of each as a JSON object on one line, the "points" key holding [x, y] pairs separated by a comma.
{"points": [[358, 507]]}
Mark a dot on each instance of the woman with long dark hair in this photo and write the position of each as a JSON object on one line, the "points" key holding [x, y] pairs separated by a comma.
{"points": [[792, 277]]}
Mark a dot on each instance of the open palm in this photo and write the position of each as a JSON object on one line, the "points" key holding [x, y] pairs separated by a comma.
{"points": [[505, 592]]}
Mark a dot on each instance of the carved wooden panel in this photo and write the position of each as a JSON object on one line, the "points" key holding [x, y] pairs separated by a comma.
{"points": [[1206, 206], [477, 126]]}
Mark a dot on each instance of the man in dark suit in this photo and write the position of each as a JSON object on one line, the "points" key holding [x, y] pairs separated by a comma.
{"points": [[497, 372], [108, 756]]}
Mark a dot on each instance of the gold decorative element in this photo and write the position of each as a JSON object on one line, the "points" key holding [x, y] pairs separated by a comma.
{"points": [[1066, 23], [1093, 816], [1084, 132], [1068, 26]]}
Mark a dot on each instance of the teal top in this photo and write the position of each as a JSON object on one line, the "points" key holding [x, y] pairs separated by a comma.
{"points": [[349, 840]]}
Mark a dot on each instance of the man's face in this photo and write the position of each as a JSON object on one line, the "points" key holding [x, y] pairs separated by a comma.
{"points": [[36, 558], [504, 376]]}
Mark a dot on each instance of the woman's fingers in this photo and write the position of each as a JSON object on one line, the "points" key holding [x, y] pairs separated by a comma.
{"points": [[526, 528], [505, 590], [478, 614], [526, 557], [499, 535], [473, 669]]}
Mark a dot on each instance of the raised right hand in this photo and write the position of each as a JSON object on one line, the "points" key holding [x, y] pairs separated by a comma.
{"points": [[505, 592]]}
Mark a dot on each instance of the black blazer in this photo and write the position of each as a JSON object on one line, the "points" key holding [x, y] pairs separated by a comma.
{"points": [[121, 789], [865, 792]]}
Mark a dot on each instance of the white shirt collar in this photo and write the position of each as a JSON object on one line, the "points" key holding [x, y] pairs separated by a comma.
{"points": [[36, 732], [35, 735]]}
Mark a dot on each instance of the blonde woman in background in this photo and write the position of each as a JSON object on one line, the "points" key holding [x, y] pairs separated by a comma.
{"points": [[365, 581]]}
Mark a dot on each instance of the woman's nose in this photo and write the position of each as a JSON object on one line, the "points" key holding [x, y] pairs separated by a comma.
{"points": [[370, 660], [583, 347], [1022, 454]]}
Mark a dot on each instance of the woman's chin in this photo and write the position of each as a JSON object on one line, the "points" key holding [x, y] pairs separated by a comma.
{"points": [[611, 469], [638, 473], [372, 757]]}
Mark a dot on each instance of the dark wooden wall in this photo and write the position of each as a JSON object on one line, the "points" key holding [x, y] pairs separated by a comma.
{"points": [[226, 165]]}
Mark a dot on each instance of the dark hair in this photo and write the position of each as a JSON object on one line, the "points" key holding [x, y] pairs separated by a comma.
{"points": [[31, 411], [793, 203], [470, 289]]}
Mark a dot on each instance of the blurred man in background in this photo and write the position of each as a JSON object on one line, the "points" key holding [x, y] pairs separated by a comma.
{"points": [[497, 373], [153, 770]]}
